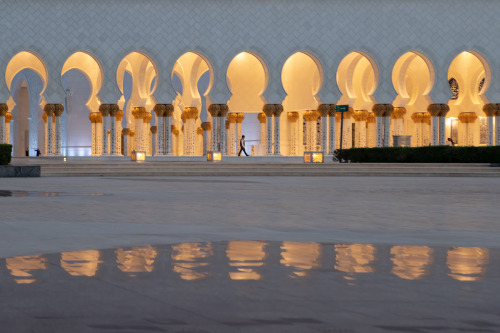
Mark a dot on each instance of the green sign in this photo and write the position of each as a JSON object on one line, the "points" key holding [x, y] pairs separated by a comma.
{"points": [[342, 108]]}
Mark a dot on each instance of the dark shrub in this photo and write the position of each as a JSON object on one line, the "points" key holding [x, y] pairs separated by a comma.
{"points": [[5, 154]]}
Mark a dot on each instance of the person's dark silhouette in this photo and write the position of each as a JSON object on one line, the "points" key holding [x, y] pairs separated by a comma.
{"points": [[242, 146]]}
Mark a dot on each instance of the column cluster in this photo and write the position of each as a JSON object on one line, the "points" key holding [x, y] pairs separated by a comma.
{"points": [[292, 118], [383, 124], [189, 116], [207, 135], [273, 110], [164, 114], [467, 120], [438, 113], [360, 117], [231, 141], [54, 138], [311, 116], [218, 113]]}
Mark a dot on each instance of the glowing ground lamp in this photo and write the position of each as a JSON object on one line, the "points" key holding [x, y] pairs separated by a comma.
{"points": [[138, 156], [214, 156], [313, 157]]}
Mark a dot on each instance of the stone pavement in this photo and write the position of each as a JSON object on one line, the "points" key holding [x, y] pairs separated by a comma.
{"points": [[352, 237]]}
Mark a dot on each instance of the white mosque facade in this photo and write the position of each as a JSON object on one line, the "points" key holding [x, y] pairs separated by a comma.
{"points": [[172, 77]]}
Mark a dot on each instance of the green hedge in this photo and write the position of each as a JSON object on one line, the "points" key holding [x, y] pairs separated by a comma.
{"points": [[428, 154], [5, 154]]}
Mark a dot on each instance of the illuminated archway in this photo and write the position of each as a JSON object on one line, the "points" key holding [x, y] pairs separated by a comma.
{"points": [[302, 78], [82, 78], [26, 77], [469, 76], [247, 78], [192, 78]]}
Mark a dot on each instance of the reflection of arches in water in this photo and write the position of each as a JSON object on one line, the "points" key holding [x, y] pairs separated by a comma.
{"points": [[81, 78], [81, 263], [26, 77], [411, 262], [245, 256], [22, 268], [247, 79], [301, 256], [136, 260], [467, 263], [355, 258], [189, 258]]}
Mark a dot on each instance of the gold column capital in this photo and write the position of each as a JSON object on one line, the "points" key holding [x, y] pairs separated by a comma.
{"points": [[214, 110], [119, 115], [131, 133], [49, 109], [417, 117], [44, 117], [262, 118], [270, 109], [326, 109], [190, 112], [231, 117], [154, 129], [490, 109], [199, 131], [4, 108], [139, 112], [104, 109], [311, 115], [360, 115], [467, 117], [8, 117], [58, 109], [147, 118], [293, 116], [92, 117], [371, 118], [240, 117], [434, 110], [126, 131], [398, 113], [380, 109], [206, 126]]}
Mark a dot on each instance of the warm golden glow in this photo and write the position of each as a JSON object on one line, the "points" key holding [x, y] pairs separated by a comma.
{"points": [[468, 263], [138, 156], [21, 268], [317, 157], [411, 262], [313, 157], [187, 257], [307, 158], [214, 156], [136, 260], [300, 255], [81, 263], [243, 255], [355, 258]]}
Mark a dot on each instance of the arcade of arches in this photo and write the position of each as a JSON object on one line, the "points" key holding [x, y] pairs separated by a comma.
{"points": [[191, 125]]}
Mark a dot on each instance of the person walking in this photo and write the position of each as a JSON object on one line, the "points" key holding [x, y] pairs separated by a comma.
{"points": [[242, 146]]}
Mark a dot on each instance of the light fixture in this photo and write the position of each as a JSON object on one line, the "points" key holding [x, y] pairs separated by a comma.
{"points": [[214, 156], [313, 157], [138, 156]]}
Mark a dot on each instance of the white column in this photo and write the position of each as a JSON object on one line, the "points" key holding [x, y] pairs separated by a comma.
{"points": [[113, 133], [223, 135], [379, 125], [215, 133], [434, 131], [331, 135], [277, 134], [324, 134], [292, 123], [45, 134], [387, 131], [269, 134], [50, 134], [58, 136], [442, 131], [160, 138], [497, 128], [490, 131], [262, 120], [168, 135]]}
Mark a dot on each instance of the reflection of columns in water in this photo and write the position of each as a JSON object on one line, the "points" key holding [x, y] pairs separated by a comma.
{"points": [[467, 263], [207, 142], [136, 260], [490, 110], [292, 118], [21, 268], [397, 117], [360, 117], [262, 120], [411, 262], [466, 129], [81, 263], [214, 110], [231, 120], [301, 255], [355, 258], [278, 109], [311, 117], [269, 111], [188, 258], [245, 256], [3, 112]]}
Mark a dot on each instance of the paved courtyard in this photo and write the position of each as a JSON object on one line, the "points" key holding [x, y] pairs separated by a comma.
{"points": [[250, 254]]}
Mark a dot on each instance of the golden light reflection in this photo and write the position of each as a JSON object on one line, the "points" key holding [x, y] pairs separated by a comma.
{"points": [[411, 262], [355, 258], [468, 263], [81, 263], [21, 268], [187, 257], [136, 260], [244, 255], [300, 255]]}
